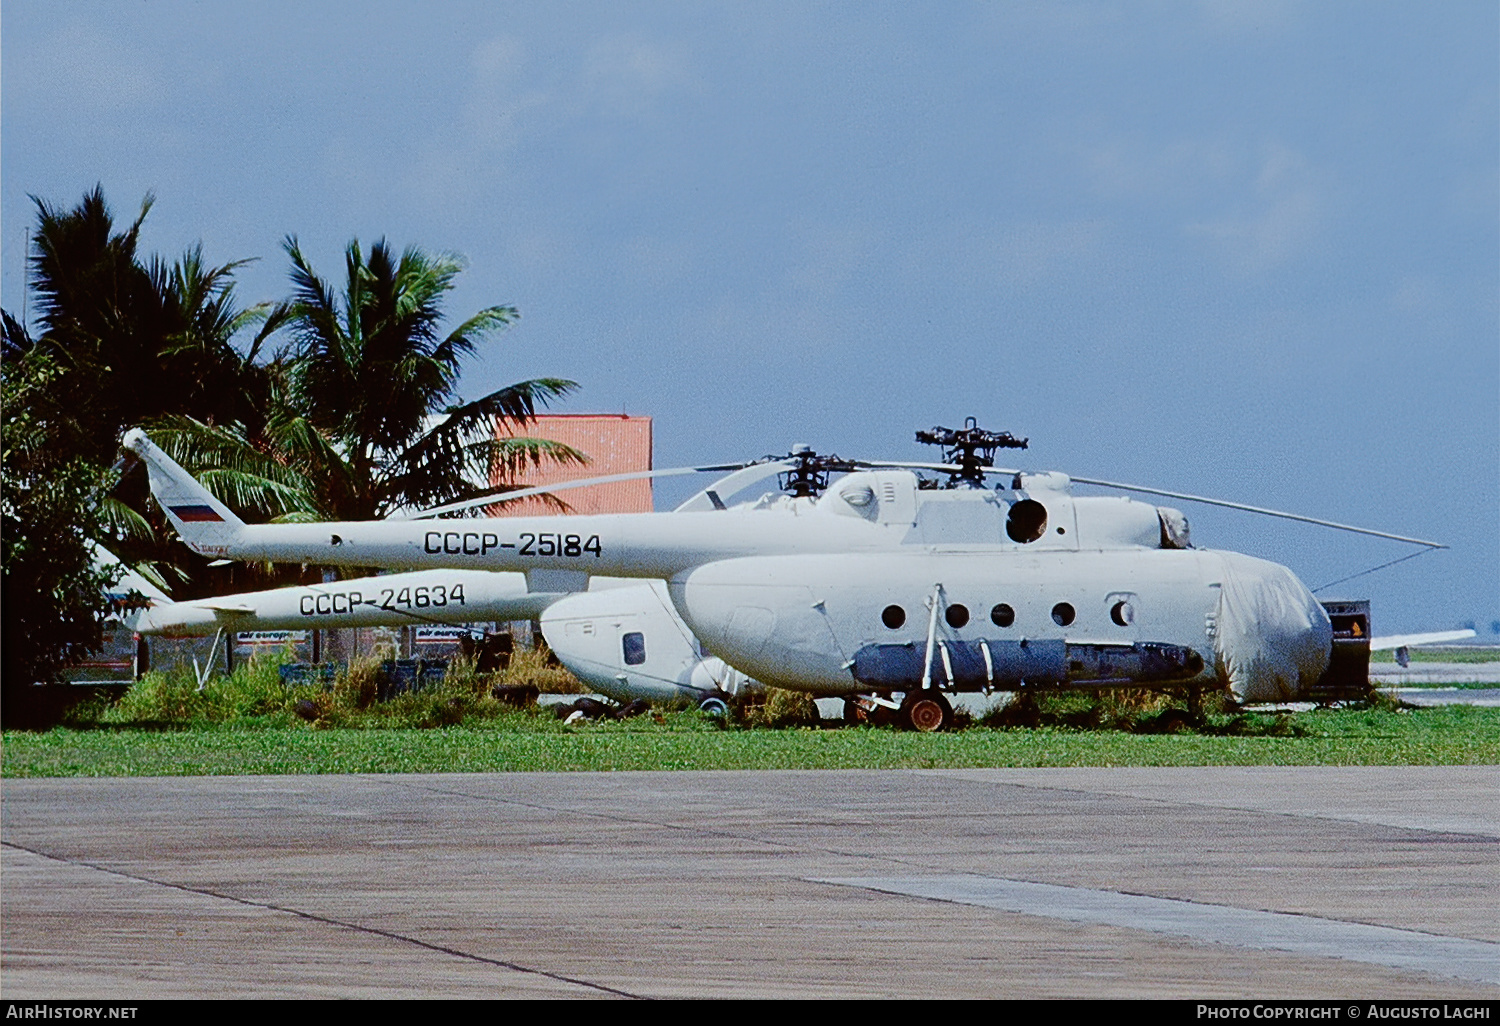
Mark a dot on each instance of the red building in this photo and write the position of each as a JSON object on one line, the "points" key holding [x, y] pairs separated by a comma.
{"points": [[614, 444]]}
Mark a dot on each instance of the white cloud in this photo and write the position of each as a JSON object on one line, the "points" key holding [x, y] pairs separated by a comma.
{"points": [[512, 99], [499, 95], [1239, 16], [463, 160], [1134, 167], [1258, 207], [1418, 293], [831, 258], [79, 70], [1029, 255], [625, 76], [1279, 215]]}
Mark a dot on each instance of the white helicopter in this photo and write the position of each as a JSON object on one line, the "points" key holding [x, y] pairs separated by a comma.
{"points": [[885, 584], [589, 630]]}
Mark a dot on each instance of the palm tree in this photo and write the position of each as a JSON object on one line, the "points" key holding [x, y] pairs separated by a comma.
{"points": [[135, 339], [362, 417], [126, 340]]}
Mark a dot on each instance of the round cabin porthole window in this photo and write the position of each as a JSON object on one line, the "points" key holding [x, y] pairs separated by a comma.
{"points": [[893, 617], [957, 616], [1063, 614], [1026, 522], [1002, 615], [1122, 614]]}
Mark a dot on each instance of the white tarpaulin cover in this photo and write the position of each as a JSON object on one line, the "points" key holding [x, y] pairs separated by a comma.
{"points": [[1272, 637]]}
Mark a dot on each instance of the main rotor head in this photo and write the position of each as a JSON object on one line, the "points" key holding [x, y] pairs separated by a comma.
{"points": [[970, 448], [808, 475]]}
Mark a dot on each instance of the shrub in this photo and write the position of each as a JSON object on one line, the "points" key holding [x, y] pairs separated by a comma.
{"points": [[1134, 710], [357, 684], [173, 698], [538, 668], [775, 707]]}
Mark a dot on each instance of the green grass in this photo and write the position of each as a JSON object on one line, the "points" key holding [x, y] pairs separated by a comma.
{"points": [[251, 723], [530, 741]]}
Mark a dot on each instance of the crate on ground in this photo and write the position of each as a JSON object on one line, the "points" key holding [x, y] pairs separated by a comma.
{"points": [[398, 676], [308, 674]]}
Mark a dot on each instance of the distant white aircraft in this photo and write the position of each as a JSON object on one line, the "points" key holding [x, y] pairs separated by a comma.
{"points": [[1402, 644]]}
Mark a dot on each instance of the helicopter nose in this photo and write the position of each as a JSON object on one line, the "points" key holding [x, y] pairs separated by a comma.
{"points": [[1272, 638]]}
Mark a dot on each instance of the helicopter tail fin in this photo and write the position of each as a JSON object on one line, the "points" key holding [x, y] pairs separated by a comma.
{"points": [[204, 523]]}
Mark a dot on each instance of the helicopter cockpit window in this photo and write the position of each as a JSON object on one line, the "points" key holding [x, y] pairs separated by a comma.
{"points": [[634, 646], [956, 615], [1026, 522], [1063, 614], [893, 617], [1002, 615]]}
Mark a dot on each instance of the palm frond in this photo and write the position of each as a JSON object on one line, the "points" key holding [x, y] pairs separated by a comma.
{"points": [[243, 491], [367, 371], [510, 458], [17, 340], [464, 339], [119, 520], [297, 517], [275, 317], [450, 443], [158, 573], [515, 403], [240, 473]]}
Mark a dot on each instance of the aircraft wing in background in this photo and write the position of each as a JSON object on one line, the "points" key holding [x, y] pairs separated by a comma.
{"points": [[1403, 643]]}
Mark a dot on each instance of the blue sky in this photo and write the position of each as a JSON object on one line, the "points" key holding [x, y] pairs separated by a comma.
{"points": [[1242, 249]]}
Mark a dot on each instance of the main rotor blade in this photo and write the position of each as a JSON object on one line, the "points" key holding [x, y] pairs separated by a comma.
{"points": [[946, 468], [741, 479], [1259, 509], [562, 486]]}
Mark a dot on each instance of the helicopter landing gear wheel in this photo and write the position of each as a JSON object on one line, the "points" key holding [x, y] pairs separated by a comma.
{"points": [[714, 706], [926, 711]]}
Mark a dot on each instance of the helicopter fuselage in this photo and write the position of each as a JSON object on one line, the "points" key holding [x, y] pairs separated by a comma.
{"points": [[974, 620]]}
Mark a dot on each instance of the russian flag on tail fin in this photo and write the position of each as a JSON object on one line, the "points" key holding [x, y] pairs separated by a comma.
{"points": [[197, 514], [205, 524]]}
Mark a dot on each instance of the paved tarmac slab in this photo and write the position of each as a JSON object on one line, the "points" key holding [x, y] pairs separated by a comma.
{"points": [[1253, 883]]}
